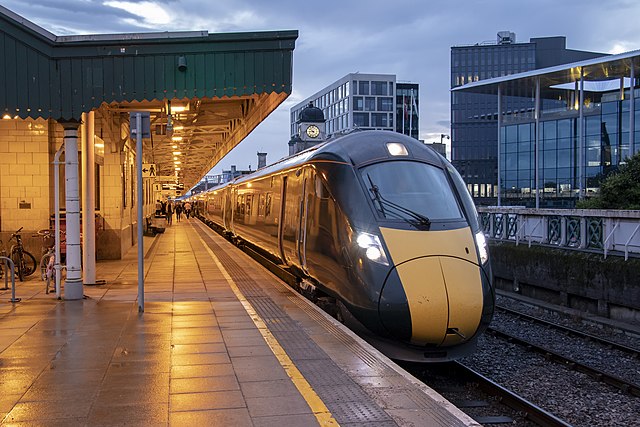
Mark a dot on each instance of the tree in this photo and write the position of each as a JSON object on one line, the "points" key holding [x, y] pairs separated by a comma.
{"points": [[620, 190]]}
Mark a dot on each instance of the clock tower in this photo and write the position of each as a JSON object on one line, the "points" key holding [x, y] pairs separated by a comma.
{"points": [[311, 129]]}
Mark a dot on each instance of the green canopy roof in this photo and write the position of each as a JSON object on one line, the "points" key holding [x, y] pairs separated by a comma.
{"points": [[61, 77]]}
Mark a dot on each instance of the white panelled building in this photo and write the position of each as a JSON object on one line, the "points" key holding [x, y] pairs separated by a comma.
{"points": [[356, 101]]}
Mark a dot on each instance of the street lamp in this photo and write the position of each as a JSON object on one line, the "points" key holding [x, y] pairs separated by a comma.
{"points": [[443, 136]]}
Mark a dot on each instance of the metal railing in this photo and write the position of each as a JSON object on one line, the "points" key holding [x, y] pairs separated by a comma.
{"points": [[604, 231], [10, 268]]}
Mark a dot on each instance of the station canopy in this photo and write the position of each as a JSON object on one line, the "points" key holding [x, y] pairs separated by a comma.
{"points": [[205, 92], [599, 74]]}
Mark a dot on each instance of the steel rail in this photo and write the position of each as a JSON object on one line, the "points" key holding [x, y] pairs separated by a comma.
{"points": [[533, 412], [597, 374], [587, 336]]}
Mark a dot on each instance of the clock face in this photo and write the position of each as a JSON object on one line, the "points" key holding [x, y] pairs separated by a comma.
{"points": [[313, 131]]}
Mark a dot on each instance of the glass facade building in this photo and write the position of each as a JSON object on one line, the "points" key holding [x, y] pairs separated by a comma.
{"points": [[359, 101], [474, 116], [606, 125]]}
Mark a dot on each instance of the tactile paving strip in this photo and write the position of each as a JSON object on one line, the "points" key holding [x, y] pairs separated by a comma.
{"points": [[319, 370]]}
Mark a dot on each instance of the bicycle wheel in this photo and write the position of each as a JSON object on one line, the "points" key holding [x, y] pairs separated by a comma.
{"points": [[29, 264]]}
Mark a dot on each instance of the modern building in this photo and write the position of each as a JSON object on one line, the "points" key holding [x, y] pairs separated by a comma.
{"points": [[363, 101], [474, 116], [582, 127]]}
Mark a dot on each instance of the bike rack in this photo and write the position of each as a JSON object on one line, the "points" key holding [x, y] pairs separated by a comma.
{"points": [[8, 261]]}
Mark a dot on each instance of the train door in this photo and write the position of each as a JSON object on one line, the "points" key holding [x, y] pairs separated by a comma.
{"points": [[283, 204], [301, 239]]}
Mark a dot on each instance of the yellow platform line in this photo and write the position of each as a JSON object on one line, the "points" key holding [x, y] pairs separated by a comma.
{"points": [[319, 409]]}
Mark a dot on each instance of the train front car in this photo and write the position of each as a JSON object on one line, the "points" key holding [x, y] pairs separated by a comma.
{"points": [[417, 250]]}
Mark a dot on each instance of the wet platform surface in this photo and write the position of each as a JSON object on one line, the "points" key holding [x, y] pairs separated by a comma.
{"points": [[221, 342]]}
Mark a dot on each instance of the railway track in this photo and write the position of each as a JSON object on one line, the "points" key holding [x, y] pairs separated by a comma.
{"points": [[570, 362], [481, 398], [572, 331]]}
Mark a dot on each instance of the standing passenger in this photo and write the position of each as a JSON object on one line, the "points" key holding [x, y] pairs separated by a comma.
{"points": [[187, 209], [178, 211], [169, 213]]}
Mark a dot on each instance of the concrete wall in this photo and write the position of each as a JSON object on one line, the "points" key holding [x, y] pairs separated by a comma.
{"points": [[586, 281]]}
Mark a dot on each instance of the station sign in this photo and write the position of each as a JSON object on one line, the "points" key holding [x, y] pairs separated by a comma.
{"points": [[149, 170], [172, 186]]}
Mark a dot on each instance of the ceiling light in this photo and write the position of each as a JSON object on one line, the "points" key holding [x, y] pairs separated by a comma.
{"points": [[176, 138], [178, 127], [174, 146], [177, 168], [177, 162], [6, 116], [178, 109], [177, 153]]}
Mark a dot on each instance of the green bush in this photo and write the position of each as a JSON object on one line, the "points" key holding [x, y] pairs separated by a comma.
{"points": [[620, 190]]}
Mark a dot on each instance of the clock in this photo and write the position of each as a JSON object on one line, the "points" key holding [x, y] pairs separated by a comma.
{"points": [[313, 131]]}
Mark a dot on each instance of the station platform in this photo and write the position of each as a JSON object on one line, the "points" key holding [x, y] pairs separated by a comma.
{"points": [[221, 342]]}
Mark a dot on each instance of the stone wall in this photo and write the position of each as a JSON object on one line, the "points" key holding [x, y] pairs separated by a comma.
{"points": [[582, 280]]}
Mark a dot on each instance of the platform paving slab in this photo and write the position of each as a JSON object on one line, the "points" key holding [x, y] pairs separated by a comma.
{"points": [[195, 356]]}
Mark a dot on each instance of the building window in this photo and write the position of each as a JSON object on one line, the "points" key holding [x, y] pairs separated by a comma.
{"points": [[361, 119], [369, 103], [385, 104], [379, 88], [363, 88], [379, 120]]}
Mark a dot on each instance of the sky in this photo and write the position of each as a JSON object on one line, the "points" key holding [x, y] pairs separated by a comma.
{"points": [[409, 38]]}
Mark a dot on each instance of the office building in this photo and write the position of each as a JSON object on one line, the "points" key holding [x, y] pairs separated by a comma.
{"points": [[363, 101], [474, 116], [585, 126]]}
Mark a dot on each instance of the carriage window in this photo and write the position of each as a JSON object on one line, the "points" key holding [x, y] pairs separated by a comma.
{"points": [[415, 186]]}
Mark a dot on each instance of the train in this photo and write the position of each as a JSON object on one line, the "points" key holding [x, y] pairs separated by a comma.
{"points": [[380, 229]]}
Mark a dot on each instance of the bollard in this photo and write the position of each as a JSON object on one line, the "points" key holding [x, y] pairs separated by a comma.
{"points": [[9, 261]]}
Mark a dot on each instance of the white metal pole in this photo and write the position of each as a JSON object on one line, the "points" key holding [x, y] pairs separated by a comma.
{"points": [[537, 144], [411, 115], [139, 208], [499, 141], [632, 112], [88, 200], [56, 186], [73, 284], [581, 137]]}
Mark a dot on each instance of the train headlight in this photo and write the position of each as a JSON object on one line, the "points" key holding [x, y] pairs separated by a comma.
{"points": [[483, 250], [372, 248]]}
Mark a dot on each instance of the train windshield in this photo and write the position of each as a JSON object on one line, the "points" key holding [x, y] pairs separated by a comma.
{"points": [[411, 191]]}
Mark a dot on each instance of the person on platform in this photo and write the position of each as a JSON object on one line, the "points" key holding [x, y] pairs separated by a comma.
{"points": [[178, 211], [187, 209], [169, 213]]}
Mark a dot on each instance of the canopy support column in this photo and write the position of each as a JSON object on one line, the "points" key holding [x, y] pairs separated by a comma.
{"points": [[73, 283]]}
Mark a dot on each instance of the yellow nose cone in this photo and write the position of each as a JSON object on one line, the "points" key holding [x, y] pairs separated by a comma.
{"points": [[441, 278]]}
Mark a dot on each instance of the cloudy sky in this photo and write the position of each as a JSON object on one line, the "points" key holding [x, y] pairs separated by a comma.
{"points": [[409, 38]]}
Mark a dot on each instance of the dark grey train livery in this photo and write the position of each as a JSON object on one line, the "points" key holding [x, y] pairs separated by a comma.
{"points": [[378, 224]]}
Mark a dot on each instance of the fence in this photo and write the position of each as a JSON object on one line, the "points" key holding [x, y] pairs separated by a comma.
{"points": [[604, 231]]}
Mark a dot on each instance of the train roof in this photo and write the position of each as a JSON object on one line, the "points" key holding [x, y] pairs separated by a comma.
{"points": [[356, 148]]}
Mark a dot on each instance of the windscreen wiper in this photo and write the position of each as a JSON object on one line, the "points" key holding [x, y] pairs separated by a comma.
{"points": [[421, 220]]}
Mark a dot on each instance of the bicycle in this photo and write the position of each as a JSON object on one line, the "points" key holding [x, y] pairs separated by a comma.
{"points": [[25, 263], [48, 260]]}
